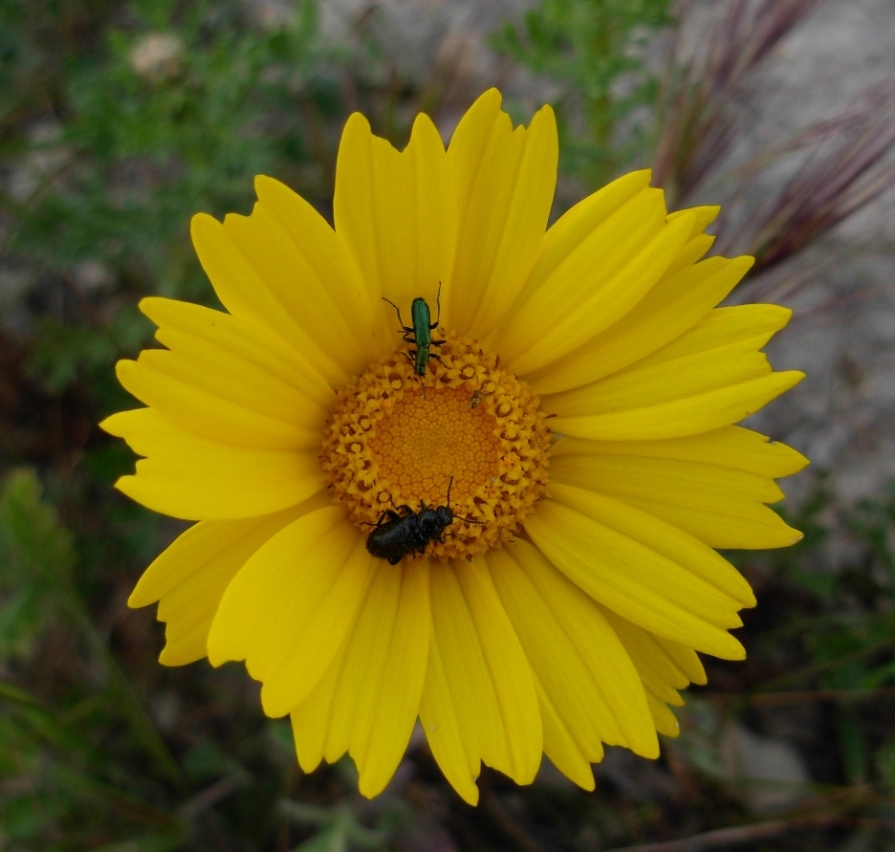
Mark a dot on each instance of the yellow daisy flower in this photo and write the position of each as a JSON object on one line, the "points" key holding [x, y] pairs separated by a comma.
{"points": [[571, 433]]}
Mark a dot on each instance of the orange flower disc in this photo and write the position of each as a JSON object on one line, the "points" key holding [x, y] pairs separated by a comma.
{"points": [[398, 439]]}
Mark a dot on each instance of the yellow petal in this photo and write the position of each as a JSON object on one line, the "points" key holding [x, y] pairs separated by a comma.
{"points": [[691, 252], [752, 325], [560, 746], [197, 398], [318, 268], [659, 673], [368, 703], [309, 273], [620, 558], [688, 415], [289, 609], [743, 527], [190, 477], [386, 708], [686, 659], [246, 294], [688, 482], [579, 222], [702, 217], [657, 668], [574, 653], [227, 343], [321, 724], [721, 350], [450, 731], [479, 701], [504, 180], [654, 384], [723, 502], [663, 538], [698, 243], [730, 446], [202, 545], [190, 576], [323, 621], [664, 720], [665, 479], [598, 283], [676, 303], [395, 213]]}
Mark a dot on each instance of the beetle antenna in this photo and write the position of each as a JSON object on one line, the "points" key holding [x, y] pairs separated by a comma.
{"points": [[467, 520], [397, 311], [438, 304]]}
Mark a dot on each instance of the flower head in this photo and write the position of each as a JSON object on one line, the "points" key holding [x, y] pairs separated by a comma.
{"points": [[500, 518]]}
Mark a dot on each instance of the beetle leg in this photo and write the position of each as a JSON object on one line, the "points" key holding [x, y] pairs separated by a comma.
{"points": [[397, 509], [388, 513]]}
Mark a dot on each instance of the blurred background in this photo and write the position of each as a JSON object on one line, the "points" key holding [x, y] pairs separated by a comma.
{"points": [[119, 120]]}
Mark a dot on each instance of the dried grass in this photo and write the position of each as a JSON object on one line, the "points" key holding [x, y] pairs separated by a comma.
{"points": [[846, 168], [699, 125]]}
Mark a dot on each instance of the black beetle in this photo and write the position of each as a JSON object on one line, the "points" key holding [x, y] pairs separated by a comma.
{"points": [[402, 534]]}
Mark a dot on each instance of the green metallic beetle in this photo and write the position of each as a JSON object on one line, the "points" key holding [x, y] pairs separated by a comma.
{"points": [[421, 331]]}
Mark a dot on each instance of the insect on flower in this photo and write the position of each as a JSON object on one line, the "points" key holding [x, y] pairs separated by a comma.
{"points": [[583, 405], [403, 534], [421, 331]]}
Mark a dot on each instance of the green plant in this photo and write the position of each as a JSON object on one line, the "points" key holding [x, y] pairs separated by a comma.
{"points": [[593, 53], [175, 111]]}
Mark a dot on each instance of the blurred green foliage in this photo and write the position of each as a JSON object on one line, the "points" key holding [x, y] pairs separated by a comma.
{"points": [[593, 54], [172, 112], [70, 786], [850, 641], [172, 121], [37, 559]]}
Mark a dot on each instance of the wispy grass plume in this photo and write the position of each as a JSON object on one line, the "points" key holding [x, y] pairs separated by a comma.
{"points": [[846, 168], [697, 121]]}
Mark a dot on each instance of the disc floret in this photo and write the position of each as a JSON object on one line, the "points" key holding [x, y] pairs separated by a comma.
{"points": [[396, 438]]}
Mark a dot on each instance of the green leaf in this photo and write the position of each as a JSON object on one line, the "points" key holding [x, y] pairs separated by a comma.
{"points": [[36, 559], [594, 54]]}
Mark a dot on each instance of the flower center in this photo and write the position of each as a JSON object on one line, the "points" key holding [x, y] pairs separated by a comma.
{"points": [[466, 425]]}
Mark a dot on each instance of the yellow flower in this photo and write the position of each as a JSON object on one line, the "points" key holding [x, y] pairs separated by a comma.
{"points": [[576, 423]]}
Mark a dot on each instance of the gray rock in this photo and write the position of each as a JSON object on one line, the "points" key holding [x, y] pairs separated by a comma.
{"points": [[768, 773]]}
